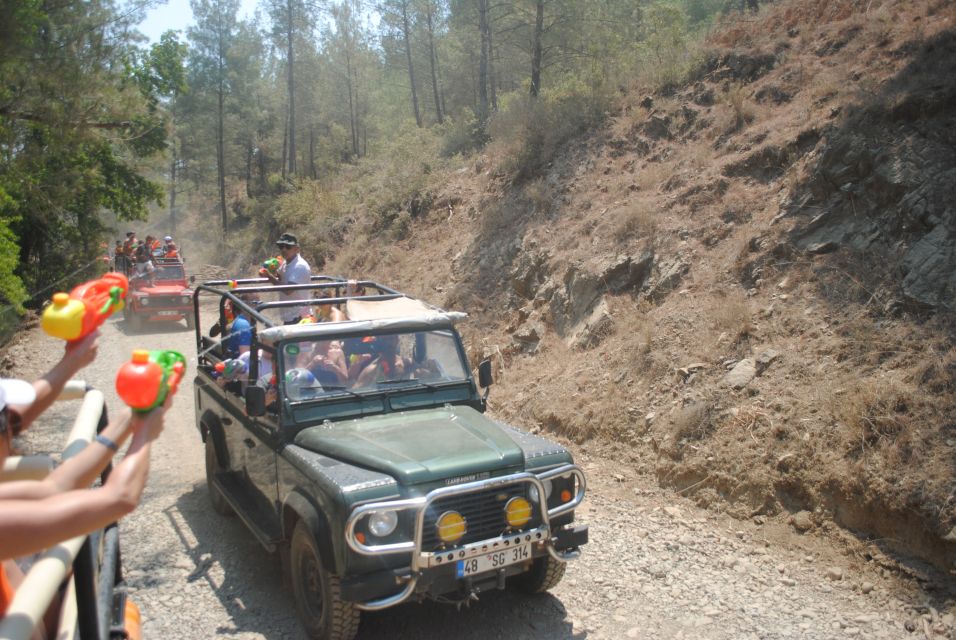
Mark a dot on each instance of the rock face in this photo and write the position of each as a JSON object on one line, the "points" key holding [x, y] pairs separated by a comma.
{"points": [[885, 181], [574, 305]]}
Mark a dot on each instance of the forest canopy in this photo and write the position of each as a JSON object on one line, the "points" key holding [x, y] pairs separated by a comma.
{"points": [[238, 115]]}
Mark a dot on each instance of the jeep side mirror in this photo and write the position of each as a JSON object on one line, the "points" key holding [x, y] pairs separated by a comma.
{"points": [[255, 401], [192, 279], [484, 374]]}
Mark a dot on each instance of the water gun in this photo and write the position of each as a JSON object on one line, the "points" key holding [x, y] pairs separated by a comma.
{"points": [[75, 315], [230, 370], [271, 266], [149, 378]]}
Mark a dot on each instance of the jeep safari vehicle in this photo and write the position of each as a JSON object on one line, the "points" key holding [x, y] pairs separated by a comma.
{"points": [[357, 448], [168, 298]]}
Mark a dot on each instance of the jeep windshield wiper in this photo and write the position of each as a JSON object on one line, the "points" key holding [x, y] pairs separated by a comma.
{"points": [[338, 387], [414, 381]]}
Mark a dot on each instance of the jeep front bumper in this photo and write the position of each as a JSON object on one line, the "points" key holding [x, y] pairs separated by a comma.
{"points": [[562, 542]]}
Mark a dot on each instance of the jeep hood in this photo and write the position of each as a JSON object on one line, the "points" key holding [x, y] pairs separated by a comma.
{"points": [[165, 290], [418, 446]]}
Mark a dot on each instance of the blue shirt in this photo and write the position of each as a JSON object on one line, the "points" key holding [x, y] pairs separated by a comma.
{"points": [[240, 335]]}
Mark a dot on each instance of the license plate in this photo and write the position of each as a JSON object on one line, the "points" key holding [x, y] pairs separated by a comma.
{"points": [[494, 560], [168, 313]]}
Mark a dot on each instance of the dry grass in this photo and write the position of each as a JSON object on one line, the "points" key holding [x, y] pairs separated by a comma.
{"points": [[636, 221], [731, 316], [742, 110], [870, 413]]}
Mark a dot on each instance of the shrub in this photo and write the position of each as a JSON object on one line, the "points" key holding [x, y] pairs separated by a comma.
{"points": [[528, 132]]}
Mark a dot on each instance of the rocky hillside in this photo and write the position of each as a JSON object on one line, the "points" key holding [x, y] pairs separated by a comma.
{"points": [[744, 284]]}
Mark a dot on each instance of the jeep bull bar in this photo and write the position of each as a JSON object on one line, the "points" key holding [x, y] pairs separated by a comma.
{"points": [[541, 535]]}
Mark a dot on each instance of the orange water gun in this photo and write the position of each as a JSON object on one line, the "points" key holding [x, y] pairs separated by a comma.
{"points": [[75, 315], [149, 378]]}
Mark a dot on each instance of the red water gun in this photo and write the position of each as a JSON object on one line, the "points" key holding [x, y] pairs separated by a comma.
{"points": [[76, 315], [149, 378]]}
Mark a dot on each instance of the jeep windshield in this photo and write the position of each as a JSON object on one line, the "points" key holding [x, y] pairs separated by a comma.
{"points": [[169, 272], [402, 369]]}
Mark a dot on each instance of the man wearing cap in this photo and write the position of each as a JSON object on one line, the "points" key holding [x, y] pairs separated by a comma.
{"points": [[294, 270]]}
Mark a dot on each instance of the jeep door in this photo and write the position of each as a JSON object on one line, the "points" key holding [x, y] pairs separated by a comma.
{"points": [[260, 442]]}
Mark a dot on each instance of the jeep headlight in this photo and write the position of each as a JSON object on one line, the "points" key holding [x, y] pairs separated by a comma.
{"points": [[186, 299], [144, 301], [382, 523], [518, 512], [533, 491], [451, 527]]}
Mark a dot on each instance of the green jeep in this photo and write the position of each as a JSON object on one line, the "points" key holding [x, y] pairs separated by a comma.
{"points": [[357, 448]]}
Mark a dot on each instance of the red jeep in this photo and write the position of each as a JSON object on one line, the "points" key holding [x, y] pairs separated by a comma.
{"points": [[165, 297]]}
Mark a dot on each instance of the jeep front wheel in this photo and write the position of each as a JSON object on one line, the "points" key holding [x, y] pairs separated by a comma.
{"points": [[190, 321], [544, 575], [219, 504], [318, 593]]}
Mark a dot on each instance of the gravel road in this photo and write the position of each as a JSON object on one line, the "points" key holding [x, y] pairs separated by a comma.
{"points": [[656, 566]]}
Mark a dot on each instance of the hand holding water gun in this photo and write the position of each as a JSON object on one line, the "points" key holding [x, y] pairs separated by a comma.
{"points": [[271, 266], [149, 378], [75, 315], [230, 370]]}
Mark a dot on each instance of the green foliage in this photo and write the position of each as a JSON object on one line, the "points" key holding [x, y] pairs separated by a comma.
{"points": [[12, 291], [75, 123], [462, 135]]}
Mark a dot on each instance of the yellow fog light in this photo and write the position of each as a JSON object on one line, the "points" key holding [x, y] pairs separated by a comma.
{"points": [[451, 527], [518, 512]]}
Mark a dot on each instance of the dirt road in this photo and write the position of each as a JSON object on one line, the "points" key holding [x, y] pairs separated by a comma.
{"points": [[656, 567]]}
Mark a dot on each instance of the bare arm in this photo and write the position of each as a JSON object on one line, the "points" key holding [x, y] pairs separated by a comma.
{"points": [[31, 525], [76, 473], [76, 356]]}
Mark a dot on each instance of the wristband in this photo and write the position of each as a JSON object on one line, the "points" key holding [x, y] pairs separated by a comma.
{"points": [[106, 442]]}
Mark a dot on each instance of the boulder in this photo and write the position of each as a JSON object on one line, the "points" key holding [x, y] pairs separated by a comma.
{"points": [[741, 375]]}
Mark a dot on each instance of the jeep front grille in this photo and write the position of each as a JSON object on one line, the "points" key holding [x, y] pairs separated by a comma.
{"points": [[164, 302], [484, 513]]}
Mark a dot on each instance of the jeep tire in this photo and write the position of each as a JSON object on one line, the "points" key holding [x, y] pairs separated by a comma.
{"points": [[219, 504], [318, 593], [544, 575], [190, 321]]}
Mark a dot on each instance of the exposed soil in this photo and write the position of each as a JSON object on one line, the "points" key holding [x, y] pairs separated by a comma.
{"points": [[786, 217]]}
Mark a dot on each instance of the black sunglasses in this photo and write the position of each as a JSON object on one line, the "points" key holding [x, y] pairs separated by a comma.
{"points": [[10, 419]]}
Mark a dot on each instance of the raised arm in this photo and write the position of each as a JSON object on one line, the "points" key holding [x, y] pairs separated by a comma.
{"points": [[76, 356]]}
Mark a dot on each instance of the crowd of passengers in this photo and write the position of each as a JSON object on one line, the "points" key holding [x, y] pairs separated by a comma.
{"points": [[311, 366]]}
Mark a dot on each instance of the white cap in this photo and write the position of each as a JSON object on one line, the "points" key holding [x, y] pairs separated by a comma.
{"points": [[13, 391], [168, 238]]}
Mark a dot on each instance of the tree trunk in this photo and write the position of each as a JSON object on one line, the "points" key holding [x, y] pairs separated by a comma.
{"points": [[172, 187], [221, 159], [411, 68], [492, 80], [536, 48], [353, 108], [312, 173], [433, 59], [249, 153], [483, 62], [290, 59]]}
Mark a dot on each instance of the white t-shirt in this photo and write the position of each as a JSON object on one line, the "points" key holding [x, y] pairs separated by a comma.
{"points": [[295, 271]]}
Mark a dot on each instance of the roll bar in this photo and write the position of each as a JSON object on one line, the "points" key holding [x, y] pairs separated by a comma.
{"points": [[88, 602]]}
